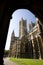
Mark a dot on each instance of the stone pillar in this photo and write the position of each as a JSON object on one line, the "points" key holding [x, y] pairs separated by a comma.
{"points": [[18, 48], [41, 46], [34, 55], [38, 47], [40, 30]]}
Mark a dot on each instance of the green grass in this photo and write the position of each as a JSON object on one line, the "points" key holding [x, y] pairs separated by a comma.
{"points": [[22, 61]]}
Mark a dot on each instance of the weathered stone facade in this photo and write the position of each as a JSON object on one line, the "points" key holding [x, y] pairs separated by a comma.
{"points": [[27, 45]]}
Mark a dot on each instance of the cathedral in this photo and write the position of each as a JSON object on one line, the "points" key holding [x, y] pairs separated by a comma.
{"points": [[28, 44]]}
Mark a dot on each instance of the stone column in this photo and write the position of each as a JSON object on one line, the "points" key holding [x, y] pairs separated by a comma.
{"points": [[34, 55], [41, 45], [38, 47], [18, 48]]}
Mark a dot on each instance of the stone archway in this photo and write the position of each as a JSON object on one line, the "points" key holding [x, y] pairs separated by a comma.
{"points": [[7, 8]]}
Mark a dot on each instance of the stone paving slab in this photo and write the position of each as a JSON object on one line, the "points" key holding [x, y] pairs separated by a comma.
{"points": [[8, 62]]}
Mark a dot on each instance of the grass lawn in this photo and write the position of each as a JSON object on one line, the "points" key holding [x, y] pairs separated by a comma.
{"points": [[22, 61]]}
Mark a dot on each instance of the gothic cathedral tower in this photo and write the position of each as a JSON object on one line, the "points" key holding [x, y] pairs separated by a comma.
{"points": [[22, 27]]}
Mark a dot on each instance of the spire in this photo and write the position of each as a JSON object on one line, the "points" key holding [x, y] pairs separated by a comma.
{"points": [[13, 33], [22, 19]]}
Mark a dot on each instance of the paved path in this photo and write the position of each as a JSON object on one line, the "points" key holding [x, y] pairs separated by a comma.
{"points": [[8, 62]]}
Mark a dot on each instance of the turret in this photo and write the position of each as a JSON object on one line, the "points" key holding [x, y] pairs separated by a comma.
{"points": [[22, 27]]}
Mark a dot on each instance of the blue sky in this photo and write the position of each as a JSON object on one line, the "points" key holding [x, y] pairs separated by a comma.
{"points": [[14, 23]]}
